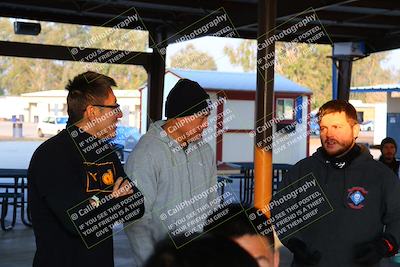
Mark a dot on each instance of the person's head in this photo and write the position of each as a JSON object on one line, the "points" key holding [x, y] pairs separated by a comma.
{"points": [[388, 148], [92, 104], [339, 127], [187, 109], [237, 225], [204, 251]]}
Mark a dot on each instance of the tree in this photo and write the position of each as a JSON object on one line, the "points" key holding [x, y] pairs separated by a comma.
{"points": [[310, 66], [21, 75], [245, 55], [306, 65], [369, 71], [190, 58]]}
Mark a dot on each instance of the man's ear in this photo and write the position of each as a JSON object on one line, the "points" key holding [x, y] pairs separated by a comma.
{"points": [[276, 258], [356, 130], [90, 113]]}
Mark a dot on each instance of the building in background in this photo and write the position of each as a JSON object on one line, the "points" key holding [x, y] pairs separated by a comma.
{"points": [[386, 115], [234, 118], [35, 106]]}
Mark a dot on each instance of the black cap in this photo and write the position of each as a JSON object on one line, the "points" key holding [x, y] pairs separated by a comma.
{"points": [[186, 98], [388, 140]]}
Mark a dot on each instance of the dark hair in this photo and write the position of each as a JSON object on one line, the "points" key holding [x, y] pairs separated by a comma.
{"points": [[204, 251], [334, 106], [236, 223], [84, 89]]}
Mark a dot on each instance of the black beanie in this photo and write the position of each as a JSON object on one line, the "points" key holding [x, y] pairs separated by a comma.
{"points": [[388, 140], [186, 98]]}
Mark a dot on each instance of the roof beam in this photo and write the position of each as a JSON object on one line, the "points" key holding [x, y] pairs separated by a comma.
{"points": [[56, 52]]}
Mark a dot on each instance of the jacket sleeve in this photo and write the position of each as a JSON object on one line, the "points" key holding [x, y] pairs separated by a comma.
{"points": [[140, 168], [212, 179], [135, 208], [287, 185], [391, 199]]}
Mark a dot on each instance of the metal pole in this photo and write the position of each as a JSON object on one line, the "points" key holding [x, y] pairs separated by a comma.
{"points": [[155, 83], [334, 78], [344, 79], [264, 104]]}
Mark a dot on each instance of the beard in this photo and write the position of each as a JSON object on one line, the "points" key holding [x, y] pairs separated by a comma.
{"points": [[344, 146], [389, 156]]}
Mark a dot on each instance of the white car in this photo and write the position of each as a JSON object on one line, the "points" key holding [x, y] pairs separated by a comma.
{"points": [[367, 126], [51, 125]]}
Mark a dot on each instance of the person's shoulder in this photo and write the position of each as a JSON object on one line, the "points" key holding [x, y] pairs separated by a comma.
{"points": [[308, 161], [382, 170], [56, 145], [375, 163], [149, 144], [52, 153]]}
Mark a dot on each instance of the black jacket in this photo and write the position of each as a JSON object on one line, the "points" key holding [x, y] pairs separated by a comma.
{"points": [[394, 165], [62, 176], [345, 222]]}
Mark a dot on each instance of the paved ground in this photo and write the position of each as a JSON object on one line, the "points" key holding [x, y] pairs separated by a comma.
{"points": [[17, 248], [28, 131], [17, 154]]}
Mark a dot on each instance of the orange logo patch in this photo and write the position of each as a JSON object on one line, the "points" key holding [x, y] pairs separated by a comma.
{"points": [[99, 176]]}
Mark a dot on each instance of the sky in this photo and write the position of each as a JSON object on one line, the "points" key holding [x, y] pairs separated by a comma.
{"points": [[214, 46]]}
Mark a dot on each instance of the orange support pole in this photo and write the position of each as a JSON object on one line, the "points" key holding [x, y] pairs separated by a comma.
{"points": [[264, 103]]}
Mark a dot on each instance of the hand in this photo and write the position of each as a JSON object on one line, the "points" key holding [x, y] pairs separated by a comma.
{"points": [[372, 252], [122, 188], [302, 254]]}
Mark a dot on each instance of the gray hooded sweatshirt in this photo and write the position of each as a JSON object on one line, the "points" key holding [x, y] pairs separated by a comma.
{"points": [[167, 175]]}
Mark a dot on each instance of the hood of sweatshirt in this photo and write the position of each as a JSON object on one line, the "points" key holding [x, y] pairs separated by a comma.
{"points": [[354, 157]]}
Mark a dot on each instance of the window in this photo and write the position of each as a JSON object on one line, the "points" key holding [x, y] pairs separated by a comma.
{"points": [[284, 108], [360, 116]]}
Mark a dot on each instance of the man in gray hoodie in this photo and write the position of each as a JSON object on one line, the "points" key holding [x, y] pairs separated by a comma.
{"points": [[175, 170]]}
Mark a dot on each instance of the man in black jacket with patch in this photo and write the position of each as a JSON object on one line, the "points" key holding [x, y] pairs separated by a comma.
{"points": [[78, 190], [363, 222]]}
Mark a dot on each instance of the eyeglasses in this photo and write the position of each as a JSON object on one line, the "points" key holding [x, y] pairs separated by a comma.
{"points": [[107, 106]]}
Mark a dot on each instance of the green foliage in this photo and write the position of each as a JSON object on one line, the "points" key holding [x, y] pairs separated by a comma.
{"points": [[21, 75], [368, 71], [309, 65], [190, 58], [245, 55]]}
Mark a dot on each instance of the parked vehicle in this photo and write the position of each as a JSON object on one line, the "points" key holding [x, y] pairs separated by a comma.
{"points": [[51, 125], [314, 126], [125, 140], [367, 126]]}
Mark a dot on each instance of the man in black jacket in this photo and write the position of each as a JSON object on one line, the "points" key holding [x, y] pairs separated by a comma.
{"points": [[363, 222], [78, 190]]}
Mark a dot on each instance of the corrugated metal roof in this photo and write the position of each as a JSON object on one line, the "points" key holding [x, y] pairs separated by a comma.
{"points": [[243, 81], [381, 88]]}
